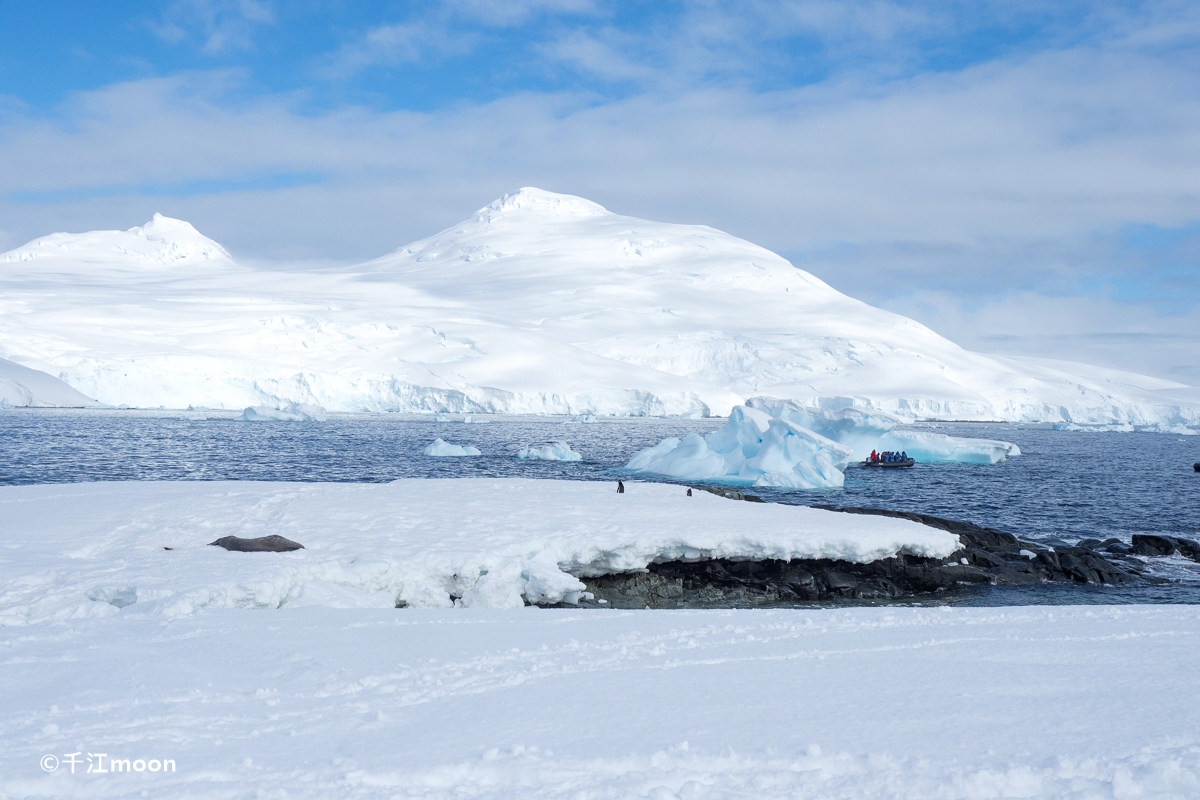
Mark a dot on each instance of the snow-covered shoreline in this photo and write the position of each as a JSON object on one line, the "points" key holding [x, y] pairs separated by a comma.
{"points": [[84, 550]]}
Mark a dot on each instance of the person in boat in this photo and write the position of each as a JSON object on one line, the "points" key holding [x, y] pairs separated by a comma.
{"points": [[874, 456], [904, 455]]}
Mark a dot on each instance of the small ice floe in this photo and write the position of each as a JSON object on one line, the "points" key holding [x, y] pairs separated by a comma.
{"points": [[559, 451], [1123, 427], [442, 448], [583, 419], [470, 420], [440, 418], [292, 412]]}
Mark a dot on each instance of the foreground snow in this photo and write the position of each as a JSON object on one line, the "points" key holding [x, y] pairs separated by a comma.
{"points": [[379, 703], [539, 303], [89, 550]]}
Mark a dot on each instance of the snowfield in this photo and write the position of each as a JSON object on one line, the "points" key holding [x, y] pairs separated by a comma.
{"points": [[77, 551], [210, 674], [540, 303], [1076, 702]]}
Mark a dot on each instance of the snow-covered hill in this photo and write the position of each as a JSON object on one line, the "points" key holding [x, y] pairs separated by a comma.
{"points": [[539, 303], [24, 387]]}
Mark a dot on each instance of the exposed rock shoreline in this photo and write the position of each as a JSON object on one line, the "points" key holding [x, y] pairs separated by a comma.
{"points": [[989, 557]]}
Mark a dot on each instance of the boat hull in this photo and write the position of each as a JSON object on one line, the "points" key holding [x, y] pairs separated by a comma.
{"points": [[890, 464]]}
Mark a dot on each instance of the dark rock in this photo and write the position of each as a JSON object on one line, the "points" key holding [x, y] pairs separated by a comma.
{"points": [[1196, 467], [1145, 544], [722, 491], [989, 557], [263, 544]]}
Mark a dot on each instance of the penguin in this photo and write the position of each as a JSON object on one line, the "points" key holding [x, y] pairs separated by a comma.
{"points": [[689, 492], [620, 488]]}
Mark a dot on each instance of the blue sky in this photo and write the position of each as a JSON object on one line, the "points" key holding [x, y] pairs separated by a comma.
{"points": [[1023, 177]]}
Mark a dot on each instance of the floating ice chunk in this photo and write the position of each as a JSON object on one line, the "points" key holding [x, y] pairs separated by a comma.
{"points": [[469, 420], [1181, 430], [1123, 427], [752, 448], [292, 412], [440, 418], [864, 431], [559, 451], [440, 448], [584, 419]]}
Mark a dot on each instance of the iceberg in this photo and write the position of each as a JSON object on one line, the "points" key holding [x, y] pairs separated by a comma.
{"points": [[441, 448], [866, 430], [780, 443], [292, 412], [559, 451], [753, 448]]}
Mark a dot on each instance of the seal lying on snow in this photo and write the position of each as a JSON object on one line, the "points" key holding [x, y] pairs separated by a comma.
{"points": [[263, 544]]}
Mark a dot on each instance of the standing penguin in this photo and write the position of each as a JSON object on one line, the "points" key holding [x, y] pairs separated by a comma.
{"points": [[689, 492], [620, 488]]}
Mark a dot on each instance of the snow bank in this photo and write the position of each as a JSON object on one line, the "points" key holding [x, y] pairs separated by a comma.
{"points": [[559, 451], [752, 448], [864, 431], [442, 448], [87, 550], [292, 412]]}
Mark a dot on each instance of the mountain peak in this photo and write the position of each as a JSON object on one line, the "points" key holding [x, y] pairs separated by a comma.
{"points": [[161, 241], [531, 200]]}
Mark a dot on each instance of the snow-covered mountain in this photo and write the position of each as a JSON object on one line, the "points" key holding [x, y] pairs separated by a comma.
{"points": [[539, 303]]}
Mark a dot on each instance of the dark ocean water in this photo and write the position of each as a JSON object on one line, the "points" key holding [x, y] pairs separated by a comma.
{"points": [[1066, 485]]}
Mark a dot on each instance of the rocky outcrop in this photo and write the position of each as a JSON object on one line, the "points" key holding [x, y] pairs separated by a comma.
{"points": [[988, 557]]}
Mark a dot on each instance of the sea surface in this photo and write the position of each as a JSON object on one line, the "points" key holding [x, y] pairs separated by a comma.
{"points": [[1065, 486]]}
